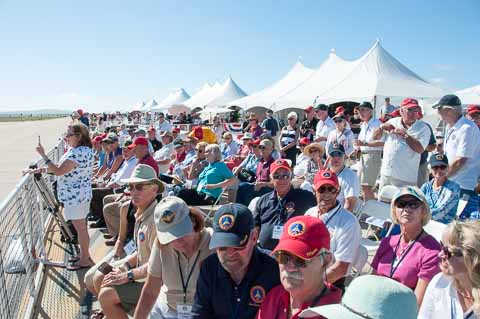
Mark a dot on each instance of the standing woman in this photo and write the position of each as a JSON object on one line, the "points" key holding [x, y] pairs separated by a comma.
{"points": [[342, 134], [288, 139], [456, 290], [74, 172], [410, 258]]}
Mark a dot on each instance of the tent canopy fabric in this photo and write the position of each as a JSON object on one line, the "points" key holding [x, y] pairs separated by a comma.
{"points": [[229, 91], [201, 98], [174, 98], [469, 95], [331, 71], [297, 75]]}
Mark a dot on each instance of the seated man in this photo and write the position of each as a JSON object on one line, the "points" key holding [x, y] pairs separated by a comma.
{"points": [[274, 209], [118, 289], [303, 256], [233, 282], [164, 155], [343, 226], [348, 180]]}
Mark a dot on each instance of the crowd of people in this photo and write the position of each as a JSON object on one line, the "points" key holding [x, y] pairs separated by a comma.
{"points": [[285, 240]]}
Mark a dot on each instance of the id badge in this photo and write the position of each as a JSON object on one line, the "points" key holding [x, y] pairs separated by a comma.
{"points": [[130, 248], [184, 311], [277, 231]]}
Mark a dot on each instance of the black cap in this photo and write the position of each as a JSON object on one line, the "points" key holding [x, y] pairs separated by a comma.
{"points": [[366, 104], [178, 142], [321, 107], [438, 159], [232, 225], [450, 100], [336, 147]]}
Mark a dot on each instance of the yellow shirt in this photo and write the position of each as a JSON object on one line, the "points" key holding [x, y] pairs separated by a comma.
{"points": [[208, 135]]}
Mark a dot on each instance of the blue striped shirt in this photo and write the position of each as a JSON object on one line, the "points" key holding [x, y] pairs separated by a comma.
{"points": [[444, 201]]}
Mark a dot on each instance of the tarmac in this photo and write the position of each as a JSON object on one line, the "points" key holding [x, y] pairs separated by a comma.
{"points": [[18, 143]]}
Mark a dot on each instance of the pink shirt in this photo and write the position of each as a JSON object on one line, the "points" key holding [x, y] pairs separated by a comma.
{"points": [[421, 261]]}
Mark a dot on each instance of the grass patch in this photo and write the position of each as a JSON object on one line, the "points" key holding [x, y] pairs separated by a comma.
{"points": [[29, 117]]}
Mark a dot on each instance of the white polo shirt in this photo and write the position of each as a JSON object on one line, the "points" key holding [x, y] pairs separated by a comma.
{"points": [[166, 152], [345, 232], [324, 128], [399, 160], [462, 140], [165, 126], [349, 185], [366, 135]]}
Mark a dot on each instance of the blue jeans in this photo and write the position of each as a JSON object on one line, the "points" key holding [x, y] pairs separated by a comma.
{"points": [[246, 192], [471, 209]]}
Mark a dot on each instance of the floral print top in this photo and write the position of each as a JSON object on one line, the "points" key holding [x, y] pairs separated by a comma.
{"points": [[75, 187]]}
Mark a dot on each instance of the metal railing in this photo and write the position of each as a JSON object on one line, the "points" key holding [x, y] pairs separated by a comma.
{"points": [[24, 222]]}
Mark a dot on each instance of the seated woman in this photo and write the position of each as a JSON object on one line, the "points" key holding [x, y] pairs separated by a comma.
{"points": [[441, 193], [182, 243], [229, 147], [456, 290], [305, 171], [262, 185], [211, 180], [411, 257], [247, 169]]}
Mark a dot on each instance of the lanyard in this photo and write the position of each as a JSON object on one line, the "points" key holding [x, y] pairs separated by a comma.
{"points": [[185, 284], [333, 214], [434, 202], [395, 264]]}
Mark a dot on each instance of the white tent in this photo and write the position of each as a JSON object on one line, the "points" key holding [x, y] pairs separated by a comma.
{"points": [[470, 95], [377, 74], [228, 92], [147, 107], [175, 98], [297, 75], [331, 71], [201, 98], [138, 107]]}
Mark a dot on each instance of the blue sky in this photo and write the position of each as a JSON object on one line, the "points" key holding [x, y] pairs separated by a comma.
{"points": [[104, 54]]}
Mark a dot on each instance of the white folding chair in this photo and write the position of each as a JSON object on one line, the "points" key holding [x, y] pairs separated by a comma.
{"points": [[461, 206], [435, 229], [378, 213]]}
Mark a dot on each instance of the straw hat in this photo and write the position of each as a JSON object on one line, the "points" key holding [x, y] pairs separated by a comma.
{"points": [[309, 147]]}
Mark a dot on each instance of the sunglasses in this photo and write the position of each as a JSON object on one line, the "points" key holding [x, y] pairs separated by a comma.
{"points": [[413, 204], [262, 147], [200, 151], [72, 134], [330, 189], [284, 259], [338, 120], [281, 176], [441, 167], [138, 187], [449, 253], [291, 119]]}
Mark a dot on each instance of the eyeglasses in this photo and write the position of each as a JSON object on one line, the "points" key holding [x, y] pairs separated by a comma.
{"points": [[336, 154], [291, 118], [71, 134], [441, 167], [330, 189], [450, 253], [138, 187], [281, 176], [412, 204]]}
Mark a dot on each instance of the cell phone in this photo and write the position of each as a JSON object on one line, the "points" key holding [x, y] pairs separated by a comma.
{"points": [[105, 268], [39, 139]]}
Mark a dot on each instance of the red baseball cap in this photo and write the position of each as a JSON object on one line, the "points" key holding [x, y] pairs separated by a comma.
{"points": [[304, 141], [309, 109], [280, 163], [198, 132], [409, 103], [98, 139], [255, 142], [340, 109], [304, 237], [473, 108], [395, 113], [325, 177], [138, 141]]}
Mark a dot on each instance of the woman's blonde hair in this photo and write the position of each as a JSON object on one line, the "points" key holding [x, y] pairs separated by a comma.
{"points": [[465, 236], [415, 192]]}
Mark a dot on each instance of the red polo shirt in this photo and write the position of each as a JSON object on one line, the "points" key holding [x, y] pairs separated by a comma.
{"points": [[263, 170], [277, 302], [148, 160]]}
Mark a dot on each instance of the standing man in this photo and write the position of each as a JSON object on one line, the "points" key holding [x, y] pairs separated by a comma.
{"points": [[387, 107], [370, 150], [461, 144], [325, 124], [162, 126], [344, 229], [303, 256], [308, 127], [406, 138], [233, 282], [270, 124]]}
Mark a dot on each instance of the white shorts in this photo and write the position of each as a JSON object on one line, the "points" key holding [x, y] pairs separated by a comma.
{"points": [[77, 211]]}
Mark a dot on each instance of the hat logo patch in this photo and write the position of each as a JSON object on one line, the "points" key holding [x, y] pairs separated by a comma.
{"points": [[290, 207], [296, 229], [439, 157], [327, 175], [257, 294], [226, 222], [167, 216], [279, 162]]}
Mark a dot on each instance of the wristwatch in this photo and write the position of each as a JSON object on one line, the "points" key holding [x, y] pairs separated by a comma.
{"points": [[130, 276]]}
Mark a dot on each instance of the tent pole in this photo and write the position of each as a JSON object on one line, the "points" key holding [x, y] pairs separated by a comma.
{"points": [[375, 106]]}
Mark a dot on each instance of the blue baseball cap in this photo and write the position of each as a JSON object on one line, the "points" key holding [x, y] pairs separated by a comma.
{"points": [[449, 101], [232, 225]]}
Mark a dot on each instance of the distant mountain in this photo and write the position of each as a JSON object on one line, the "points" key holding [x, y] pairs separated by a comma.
{"points": [[36, 112]]}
